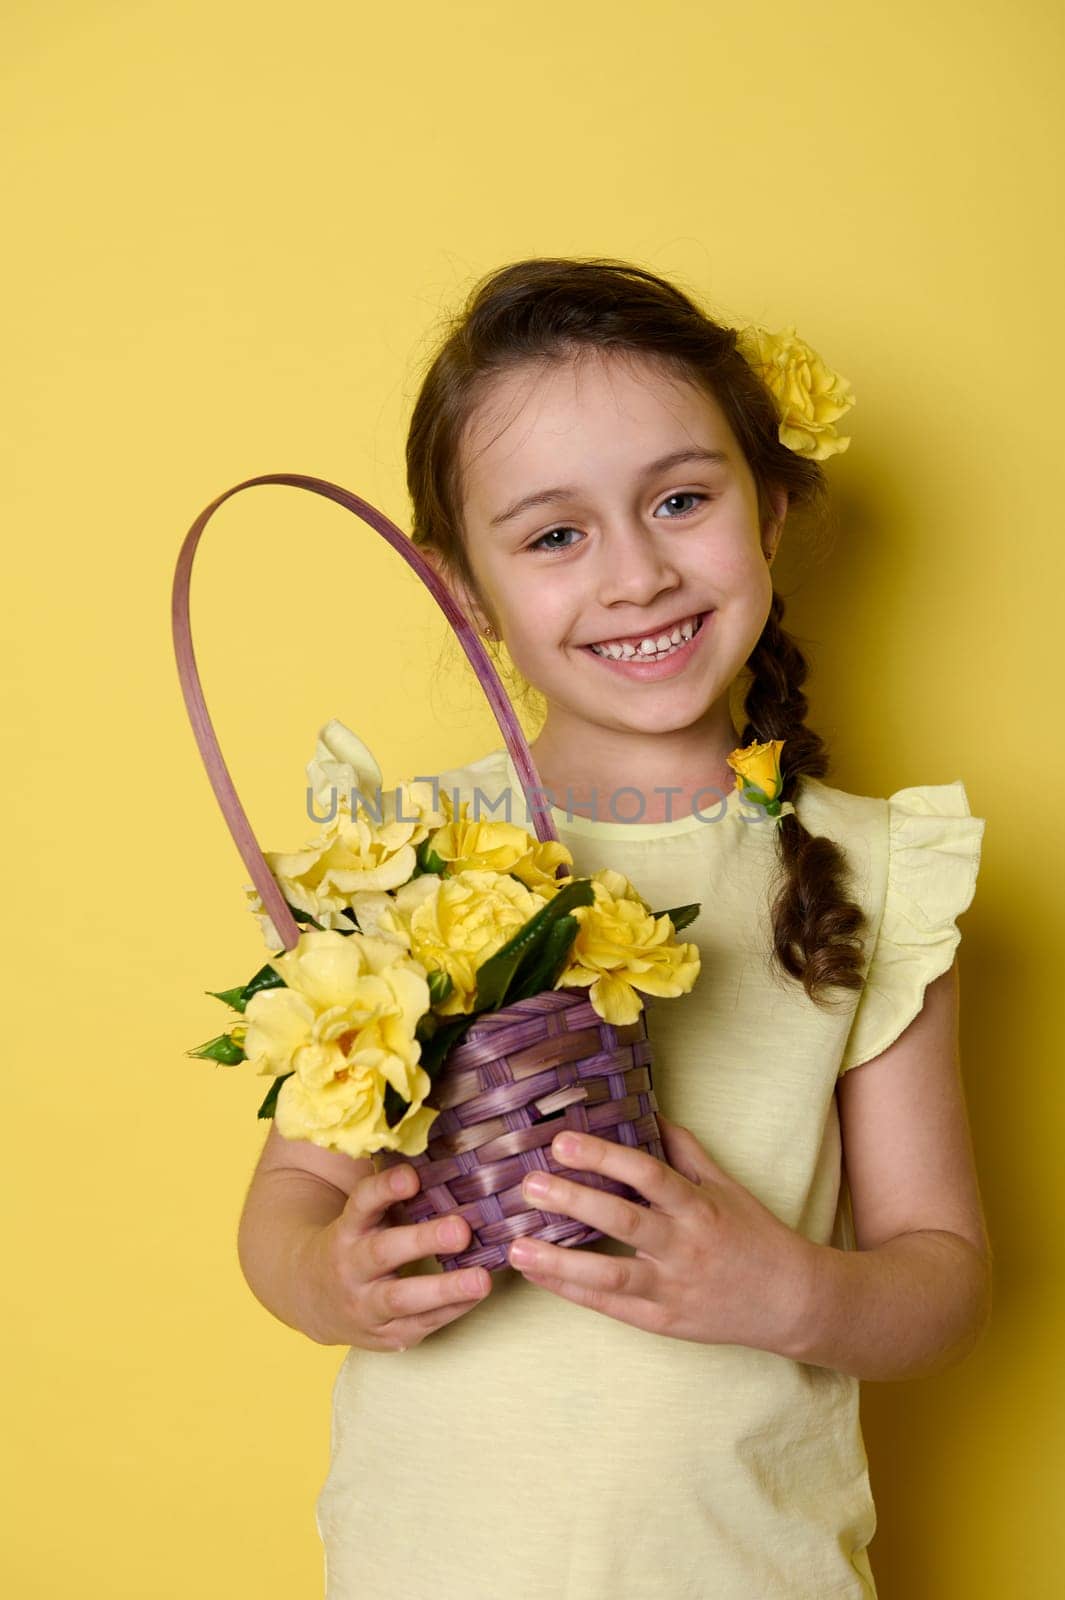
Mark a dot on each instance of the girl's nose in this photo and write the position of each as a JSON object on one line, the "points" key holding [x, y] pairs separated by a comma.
{"points": [[636, 566]]}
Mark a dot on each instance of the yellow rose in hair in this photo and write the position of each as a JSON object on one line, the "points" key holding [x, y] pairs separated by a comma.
{"points": [[619, 947], [343, 1028], [759, 765], [500, 847], [810, 397], [460, 921]]}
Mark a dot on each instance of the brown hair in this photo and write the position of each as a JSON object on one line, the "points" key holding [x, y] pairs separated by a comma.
{"points": [[546, 309]]}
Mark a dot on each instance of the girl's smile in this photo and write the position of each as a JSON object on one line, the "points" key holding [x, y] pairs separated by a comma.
{"points": [[644, 659]]}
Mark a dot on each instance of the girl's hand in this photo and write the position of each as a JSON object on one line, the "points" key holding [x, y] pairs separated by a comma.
{"points": [[712, 1263], [353, 1293]]}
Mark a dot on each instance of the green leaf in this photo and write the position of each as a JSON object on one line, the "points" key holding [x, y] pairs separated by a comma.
{"points": [[426, 1026], [533, 956], [224, 1049], [440, 985], [436, 1047], [267, 1107], [233, 998], [237, 999], [553, 957], [496, 974], [428, 860], [680, 916], [396, 1107], [266, 978], [302, 916]]}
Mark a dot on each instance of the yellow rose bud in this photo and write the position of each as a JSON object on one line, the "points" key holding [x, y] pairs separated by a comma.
{"points": [[759, 765]]}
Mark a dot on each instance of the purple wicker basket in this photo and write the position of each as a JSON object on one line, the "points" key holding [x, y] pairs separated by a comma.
{"points": [[518, 1075]]}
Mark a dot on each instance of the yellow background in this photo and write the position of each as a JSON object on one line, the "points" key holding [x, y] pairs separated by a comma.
{"points": [[232, 231]]}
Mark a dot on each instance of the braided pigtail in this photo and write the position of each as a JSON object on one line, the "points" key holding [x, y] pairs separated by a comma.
{"points": [[816, 926]]}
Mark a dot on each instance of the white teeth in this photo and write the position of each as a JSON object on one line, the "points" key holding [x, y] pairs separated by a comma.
{"points": [[651, 646]]}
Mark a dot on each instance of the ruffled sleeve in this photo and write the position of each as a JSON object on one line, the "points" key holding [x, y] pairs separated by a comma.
{"points": [[934, 845]]}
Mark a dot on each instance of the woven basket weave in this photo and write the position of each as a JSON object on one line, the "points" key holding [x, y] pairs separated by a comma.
{"points": [[519, 1075]]}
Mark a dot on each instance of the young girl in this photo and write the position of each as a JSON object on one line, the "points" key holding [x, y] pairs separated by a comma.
{"points": [[669, 1413]]}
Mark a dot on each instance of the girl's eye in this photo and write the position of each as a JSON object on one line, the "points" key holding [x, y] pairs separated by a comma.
{"points": [[682, 494], [538, 543]]}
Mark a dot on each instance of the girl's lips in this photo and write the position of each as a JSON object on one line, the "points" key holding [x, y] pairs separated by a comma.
{"points": [[647, 668]]}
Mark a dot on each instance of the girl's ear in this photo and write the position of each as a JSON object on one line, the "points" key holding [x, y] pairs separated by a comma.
{"points": [[778, 510], [458, 590], [469, 605]]}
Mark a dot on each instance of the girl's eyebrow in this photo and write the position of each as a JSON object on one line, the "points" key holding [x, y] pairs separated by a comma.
{"points": [[542, 497]]}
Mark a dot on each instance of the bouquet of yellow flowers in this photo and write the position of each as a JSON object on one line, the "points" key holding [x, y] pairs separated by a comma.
{"points": [[415, 922], [441, 990]]}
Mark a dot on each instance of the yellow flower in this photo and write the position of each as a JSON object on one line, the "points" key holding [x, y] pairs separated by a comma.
{"points": [[810, 397], [344, 1028], [385, 914], [759, 765], [500, 847], [620, 947], [457, 922], [341, 762], [352, 854]]}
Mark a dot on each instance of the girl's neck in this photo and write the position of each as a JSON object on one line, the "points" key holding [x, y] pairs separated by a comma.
{"points": [[585, 768]]}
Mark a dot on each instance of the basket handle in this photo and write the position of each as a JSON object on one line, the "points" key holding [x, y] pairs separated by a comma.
{"points": [[221, 782]]}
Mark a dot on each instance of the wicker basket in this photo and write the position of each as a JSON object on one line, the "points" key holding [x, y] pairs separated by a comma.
{"points": [[513, 1081], [519, 1075]]}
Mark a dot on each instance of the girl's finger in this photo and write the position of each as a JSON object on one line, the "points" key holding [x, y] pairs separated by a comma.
{"points": [[593, 1280], [610, 1213], [403, 1332], [409, 1306], [372, 1195], [383, 1250], [638, 1169]]}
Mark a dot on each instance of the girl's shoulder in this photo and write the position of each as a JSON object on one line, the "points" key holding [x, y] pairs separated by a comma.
{"points": [[824, 809], [915, 856], [917, 846], [929, 816]]}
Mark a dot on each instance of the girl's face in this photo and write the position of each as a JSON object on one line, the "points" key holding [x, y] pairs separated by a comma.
{"points": [[580, 533]]}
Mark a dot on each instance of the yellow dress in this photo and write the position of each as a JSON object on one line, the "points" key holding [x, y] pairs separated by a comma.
{"points": [[537, 1450]]}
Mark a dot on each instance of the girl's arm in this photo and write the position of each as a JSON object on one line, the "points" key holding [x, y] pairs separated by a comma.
{"points": [[297, 1189], [318, 1250], [915, 1296]]}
